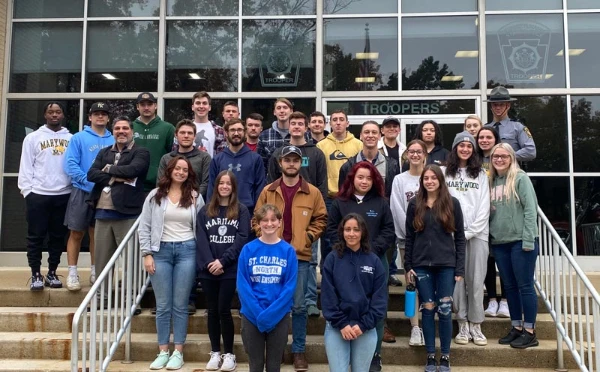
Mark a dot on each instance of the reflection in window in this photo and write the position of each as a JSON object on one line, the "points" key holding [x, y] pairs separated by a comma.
{"points": [[202, 7], [179, 109], [202, 55], [584, 31], [281, 7], [583, 4], [359, 6], [123, 8], [48, 9], [587, 215], [524, 51], [404, 107], [449, 131], [265, 108], [117, 108], [428, 6], [278, 55], [440, 53], [122, 56], [522, 5], [553, 196], [46, 57], [585, 121], [360, 54], [14, 224], [25, 117], [546, 118]]}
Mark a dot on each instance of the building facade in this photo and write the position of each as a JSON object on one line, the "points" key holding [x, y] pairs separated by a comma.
{"points": [[416, 60]]}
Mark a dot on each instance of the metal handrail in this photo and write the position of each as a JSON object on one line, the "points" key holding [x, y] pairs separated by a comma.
{"points": [[97, 334], [559, 280]]}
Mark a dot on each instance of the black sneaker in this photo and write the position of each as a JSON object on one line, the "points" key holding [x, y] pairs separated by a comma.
{"points": [[37, 282], [52, 280], [525, 340], [375, 363], [431, 365], [444, 363], [191, 308], [510, 337]]}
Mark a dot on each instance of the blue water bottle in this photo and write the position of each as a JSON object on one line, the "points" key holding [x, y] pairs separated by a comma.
{"points": [[409, 300]]}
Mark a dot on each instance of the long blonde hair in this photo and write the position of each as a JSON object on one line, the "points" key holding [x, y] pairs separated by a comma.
{"points": [[510, 189]]}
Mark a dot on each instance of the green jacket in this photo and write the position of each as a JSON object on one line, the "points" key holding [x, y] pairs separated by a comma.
{"points": [[157, 137], [514, 220]]}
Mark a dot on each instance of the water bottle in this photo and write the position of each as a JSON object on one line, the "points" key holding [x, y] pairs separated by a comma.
{"points": [[409, 300]]}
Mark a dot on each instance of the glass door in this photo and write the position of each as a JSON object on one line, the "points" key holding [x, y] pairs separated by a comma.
{"points": [[450, 126]]}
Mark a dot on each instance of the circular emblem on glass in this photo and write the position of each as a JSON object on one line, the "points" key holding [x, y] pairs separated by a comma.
{"points": [[279, 62], [524, 57]]}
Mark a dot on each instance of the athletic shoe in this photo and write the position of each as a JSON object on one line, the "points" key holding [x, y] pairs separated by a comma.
{"points": [[395, 281], [510, 337], [492, 309], [476, 334], [375, 363], [161, 360], [313, 310], [416, 337], [92, 277], [175, 361], [444, 363], [73, 283], [431, 365], [52, 280], [525, 340], [191, 308], [503, 311], [463, 336], [215, 361], [229, 363], [37, 282]]}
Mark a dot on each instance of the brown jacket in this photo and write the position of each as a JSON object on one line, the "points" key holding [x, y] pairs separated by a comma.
{"points": [[309, 218]]}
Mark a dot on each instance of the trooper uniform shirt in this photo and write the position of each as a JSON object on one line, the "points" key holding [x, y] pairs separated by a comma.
{"points": [[517, 136]]}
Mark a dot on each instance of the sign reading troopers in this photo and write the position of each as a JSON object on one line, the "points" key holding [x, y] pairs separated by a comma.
{"points": [[524, 47], [407, 107], [279, 66]]}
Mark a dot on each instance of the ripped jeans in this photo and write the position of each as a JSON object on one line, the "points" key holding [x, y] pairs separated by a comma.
{"points": [[436, 285]]}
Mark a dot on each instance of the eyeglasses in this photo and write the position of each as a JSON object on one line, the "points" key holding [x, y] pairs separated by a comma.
{"points": [[415, 152], [500, 157]]}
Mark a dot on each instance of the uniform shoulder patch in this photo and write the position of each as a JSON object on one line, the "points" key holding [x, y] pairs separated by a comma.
{"points": [[527, 132]]}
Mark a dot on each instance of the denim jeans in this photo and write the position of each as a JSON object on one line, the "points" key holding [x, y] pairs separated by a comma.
{"points": [[299, 315], [436, 284], [325, 242], [516, 268], [175, 264], [311, 290], [342, 353]]}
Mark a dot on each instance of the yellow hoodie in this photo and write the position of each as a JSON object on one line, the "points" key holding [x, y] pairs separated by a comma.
{"points": [[336, 154]]}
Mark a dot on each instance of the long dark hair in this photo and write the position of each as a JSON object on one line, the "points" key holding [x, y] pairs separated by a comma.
{"points": [[233, 207], [188, 187], [347, 190], [438, 140], [365, 245], [473, 163], [494, 133], [443, 207]]}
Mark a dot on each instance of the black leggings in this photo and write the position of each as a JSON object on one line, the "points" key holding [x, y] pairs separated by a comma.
{"points": [[490, 279], [219, 294]]}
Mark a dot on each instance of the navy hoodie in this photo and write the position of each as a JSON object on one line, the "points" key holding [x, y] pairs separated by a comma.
{"points": [[357, 293], [248, 169], [220, 238]]}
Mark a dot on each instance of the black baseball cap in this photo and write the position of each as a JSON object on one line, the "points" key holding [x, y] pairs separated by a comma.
{"points": [[99, 106], [390, 120], [288, 150], [146, 96]]}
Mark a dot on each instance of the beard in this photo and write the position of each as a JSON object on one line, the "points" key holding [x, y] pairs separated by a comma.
{"points": [[236, 141], [290, 172]]}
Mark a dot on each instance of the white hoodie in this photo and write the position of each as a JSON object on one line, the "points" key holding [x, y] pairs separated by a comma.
{"points": [[404, 188], [474, 197], [42, 162]]}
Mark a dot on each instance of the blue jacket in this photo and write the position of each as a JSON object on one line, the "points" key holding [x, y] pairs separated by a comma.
{"points": [[81, 153], [248, 169], [353, 290], [266, 282]]}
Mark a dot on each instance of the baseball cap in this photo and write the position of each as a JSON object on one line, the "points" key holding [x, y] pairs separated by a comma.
{"points": [[390, 120], [99, 106], [287, 150], [146, 96]]}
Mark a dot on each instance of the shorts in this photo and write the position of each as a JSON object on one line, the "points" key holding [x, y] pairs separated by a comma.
{"points": [[80, 215]]}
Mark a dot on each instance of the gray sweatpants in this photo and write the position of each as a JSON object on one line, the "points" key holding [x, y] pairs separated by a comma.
{"points": [[468, 293], [107, 237]]}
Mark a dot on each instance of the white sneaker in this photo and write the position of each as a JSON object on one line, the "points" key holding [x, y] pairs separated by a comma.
{"points": [[228, 362], [503, 311], [478, 337], [416, 337], [92, 277], [463, 336], [492, 309], [215, 361], [73, 283]]}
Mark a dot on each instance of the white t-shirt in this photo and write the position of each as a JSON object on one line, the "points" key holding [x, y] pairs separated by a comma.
{"points": [[205, 138]]}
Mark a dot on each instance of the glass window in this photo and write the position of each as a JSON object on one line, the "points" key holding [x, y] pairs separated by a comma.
{"points": [[281, 7], [179, 109], [48, 9], [584, 32], [117, 108], [278, 55], [522, 5], [360, 54], [46, 57], [440, 53], [123, 8], [122, 56], [585, 121], [587, 215], [265, 107], [524, 51], [202, 8], [403, 107], [14, 223], [553, 195], [448, 133], [430, 6], [25, 117], [359, 6], [202, 55], [583, 4], [546, 118]]}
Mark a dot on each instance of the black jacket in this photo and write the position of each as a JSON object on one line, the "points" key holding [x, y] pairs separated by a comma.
{"points": [[433, 246], [134, 162], [392, 169]]}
